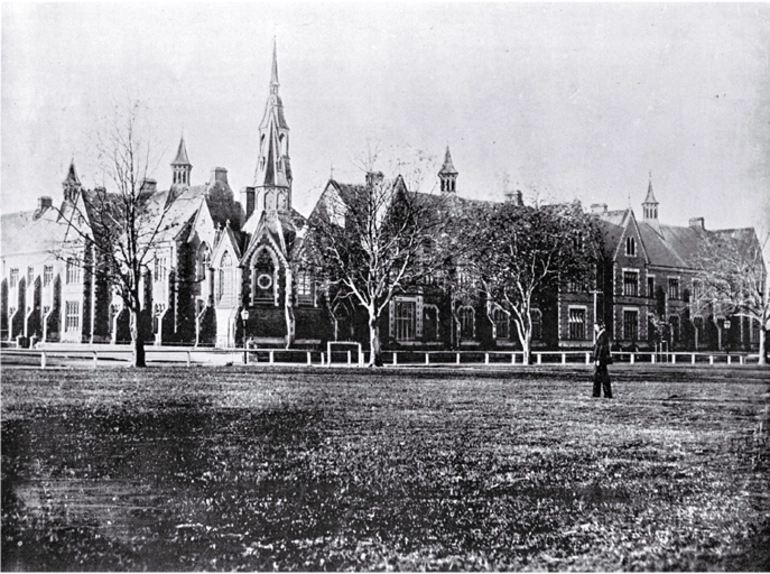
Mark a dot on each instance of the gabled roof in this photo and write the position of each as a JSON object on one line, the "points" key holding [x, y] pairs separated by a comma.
{"points": [[22, 232], [613, 225], [283, 230]]}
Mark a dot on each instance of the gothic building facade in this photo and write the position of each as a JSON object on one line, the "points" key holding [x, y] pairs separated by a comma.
{"points": [[227, 269]]}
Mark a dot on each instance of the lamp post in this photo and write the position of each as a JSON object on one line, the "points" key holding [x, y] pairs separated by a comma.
{"points": [[244, 319]]}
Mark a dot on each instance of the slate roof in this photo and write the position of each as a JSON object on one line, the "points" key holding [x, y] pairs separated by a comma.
{"points": [[22, 232]]}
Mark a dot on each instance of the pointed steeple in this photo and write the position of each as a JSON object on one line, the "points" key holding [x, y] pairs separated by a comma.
{"points": [[181, 165], [273, 178], [274, 72], [71, 183], [448, 174], [650, 204]]}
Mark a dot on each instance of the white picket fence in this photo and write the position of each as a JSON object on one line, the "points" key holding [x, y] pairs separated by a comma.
{"points": [[107, 355]]}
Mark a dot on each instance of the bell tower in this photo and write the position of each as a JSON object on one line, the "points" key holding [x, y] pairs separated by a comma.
{"points": [[650, 205], [448, 174], [181, 166], [71, 184], [272, 178]]}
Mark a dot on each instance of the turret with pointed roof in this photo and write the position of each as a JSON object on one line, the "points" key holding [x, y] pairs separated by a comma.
{"points": [[71, 184], [650, 208], [448, 174], [650, 204], [181, 165], [273, 178]]}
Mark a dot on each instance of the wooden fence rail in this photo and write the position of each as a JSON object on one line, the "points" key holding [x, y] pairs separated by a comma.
{"points": [[353, 358]]}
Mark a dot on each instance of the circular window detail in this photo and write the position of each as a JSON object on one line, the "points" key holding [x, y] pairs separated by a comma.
{"points": [[264, 281]]}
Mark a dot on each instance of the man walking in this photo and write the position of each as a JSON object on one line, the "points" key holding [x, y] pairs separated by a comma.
{"points": [[602, 358]]}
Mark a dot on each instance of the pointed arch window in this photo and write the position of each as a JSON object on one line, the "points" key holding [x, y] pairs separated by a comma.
{"points": [[202, 262], [225, 280], [502, 323], [467, 323], [264, 279], [630, 247]]}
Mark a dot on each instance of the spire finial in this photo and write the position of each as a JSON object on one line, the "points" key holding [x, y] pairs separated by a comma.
{"points": [[274, 72]]}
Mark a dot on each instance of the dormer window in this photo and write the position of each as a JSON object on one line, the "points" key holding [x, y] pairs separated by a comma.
{"points": [[630, 247]]}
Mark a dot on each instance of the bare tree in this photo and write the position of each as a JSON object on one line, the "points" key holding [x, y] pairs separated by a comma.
{"points": [[370, 242], [732, 279], [123, 227], [521, 252]]}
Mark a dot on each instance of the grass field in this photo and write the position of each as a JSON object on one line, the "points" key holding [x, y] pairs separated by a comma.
{"points": [[237, 469]]}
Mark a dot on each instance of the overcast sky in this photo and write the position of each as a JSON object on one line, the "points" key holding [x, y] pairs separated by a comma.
{"points": [[566, 100]]}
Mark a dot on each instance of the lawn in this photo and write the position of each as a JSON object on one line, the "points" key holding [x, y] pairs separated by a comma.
{"points": [[317, 469]]}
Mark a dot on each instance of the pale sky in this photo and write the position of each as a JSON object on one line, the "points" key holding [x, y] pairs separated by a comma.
{"points": [[566, 100]]}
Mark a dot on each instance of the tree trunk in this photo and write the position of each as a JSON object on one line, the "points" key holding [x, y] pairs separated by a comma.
{"points": [[137, 341], [375, 349], [290, 325], [762, 345]]}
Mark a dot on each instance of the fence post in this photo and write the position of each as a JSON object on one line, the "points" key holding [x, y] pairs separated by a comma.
{"points": [[486, 358], [588, 358], [513, 358], [539, 358], [457, 359], [42, 360], [427, 358], [309, 361], [729, 359], [692, 358], [96, 358], [633, 358], [188, 358], [564, 358], [652, 358], [741, 359], [711, 359], [349, 358], [395, 357], [272, 356]]}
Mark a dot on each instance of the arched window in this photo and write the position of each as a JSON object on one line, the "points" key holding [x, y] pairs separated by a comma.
{"points": [[502, 324], [430, 323], [630, 247], [467, 323], [263, 277], [202, 262], [537, 325], [225, 283]]}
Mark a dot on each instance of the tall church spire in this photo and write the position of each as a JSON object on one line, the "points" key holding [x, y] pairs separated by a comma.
{"points": [[273, 178], [181, 165], [274, 72], [448, 174]]}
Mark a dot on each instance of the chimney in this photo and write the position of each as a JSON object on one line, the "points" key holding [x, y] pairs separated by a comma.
{"points": [[374, 178], [148, 186], [44, 203], [247, 202], [219, 175], [514, 197], [598, 208], [698, 223]]}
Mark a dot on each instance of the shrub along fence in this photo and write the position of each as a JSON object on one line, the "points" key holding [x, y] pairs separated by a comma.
{"points": [[351, 356]]}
